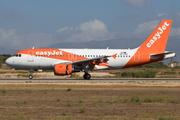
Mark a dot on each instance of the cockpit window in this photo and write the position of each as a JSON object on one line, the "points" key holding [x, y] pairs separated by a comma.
{"points": [[17, 55]]}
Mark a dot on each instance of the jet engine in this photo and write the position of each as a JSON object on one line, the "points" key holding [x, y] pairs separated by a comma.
{"points": [[62, 69]]}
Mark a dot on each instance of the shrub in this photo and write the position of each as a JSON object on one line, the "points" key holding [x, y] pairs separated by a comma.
{"points": [[127, 74], [135, 98], [82, 109], [80, 101], [155, 65], [149, 99], [140, 74], [146, 115], [171, 100], [58, 99], [3, 58], [109, 102], [45, 92], [20, 117], [160, 98], [3, 90], [154, 98], [63, 114], [29, 91], [124, 99], [100, 100], [170, 73], [161, 118], [74, 75], [68, 102], [69, 89]]}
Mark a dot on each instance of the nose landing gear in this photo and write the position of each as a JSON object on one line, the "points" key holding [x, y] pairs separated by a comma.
{"points": [[31, 74]]}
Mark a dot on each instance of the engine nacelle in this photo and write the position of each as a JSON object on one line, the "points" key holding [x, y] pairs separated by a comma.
{"points": [[62, 69]]}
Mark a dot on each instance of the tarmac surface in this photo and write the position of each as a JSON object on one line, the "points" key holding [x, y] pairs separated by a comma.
{"points": [[97, 80]]}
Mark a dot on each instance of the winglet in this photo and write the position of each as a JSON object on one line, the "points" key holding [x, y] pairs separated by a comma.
{"points": [[114, 56]]}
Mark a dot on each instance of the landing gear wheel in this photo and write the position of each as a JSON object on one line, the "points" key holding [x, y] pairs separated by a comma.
{"points": [[87, 76], [30, 76]]}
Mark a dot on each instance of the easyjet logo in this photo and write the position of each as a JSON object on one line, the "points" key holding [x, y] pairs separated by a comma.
{"points": [[157, 35], [54, 52]]}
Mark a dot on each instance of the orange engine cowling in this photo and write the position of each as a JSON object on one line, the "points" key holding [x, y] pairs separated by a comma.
{"points": [[62, 69]]}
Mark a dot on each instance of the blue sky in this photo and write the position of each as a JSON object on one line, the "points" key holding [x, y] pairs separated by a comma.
{"points": [[40, 23]]}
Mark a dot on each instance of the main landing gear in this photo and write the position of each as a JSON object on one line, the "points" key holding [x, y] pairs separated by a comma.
{"points": [[86, 75], [31, 72]]}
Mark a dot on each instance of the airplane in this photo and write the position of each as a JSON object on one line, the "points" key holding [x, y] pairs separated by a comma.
{"points": [[68, 61]]}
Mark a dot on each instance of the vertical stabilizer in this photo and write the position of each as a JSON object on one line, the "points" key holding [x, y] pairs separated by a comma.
{"points": [[156, 42]]}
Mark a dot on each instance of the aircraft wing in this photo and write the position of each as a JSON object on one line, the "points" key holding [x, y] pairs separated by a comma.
{"points": [[95, 61], [102, 59]]}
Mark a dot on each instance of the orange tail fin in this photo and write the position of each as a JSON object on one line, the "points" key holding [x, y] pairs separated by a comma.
{"points": [[156, 42]]}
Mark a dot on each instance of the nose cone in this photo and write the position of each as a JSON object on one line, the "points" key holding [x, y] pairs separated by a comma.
{"points": [[8, 62]]}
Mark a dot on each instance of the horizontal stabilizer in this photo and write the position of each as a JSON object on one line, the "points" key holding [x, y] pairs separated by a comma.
{"points": [[166, 55]]}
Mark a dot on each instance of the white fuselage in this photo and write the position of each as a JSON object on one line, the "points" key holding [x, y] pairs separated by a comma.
{"points": [[27, 61]]}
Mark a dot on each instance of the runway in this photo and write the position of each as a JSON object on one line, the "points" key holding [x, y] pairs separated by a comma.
{"points": [[95, 80]]}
